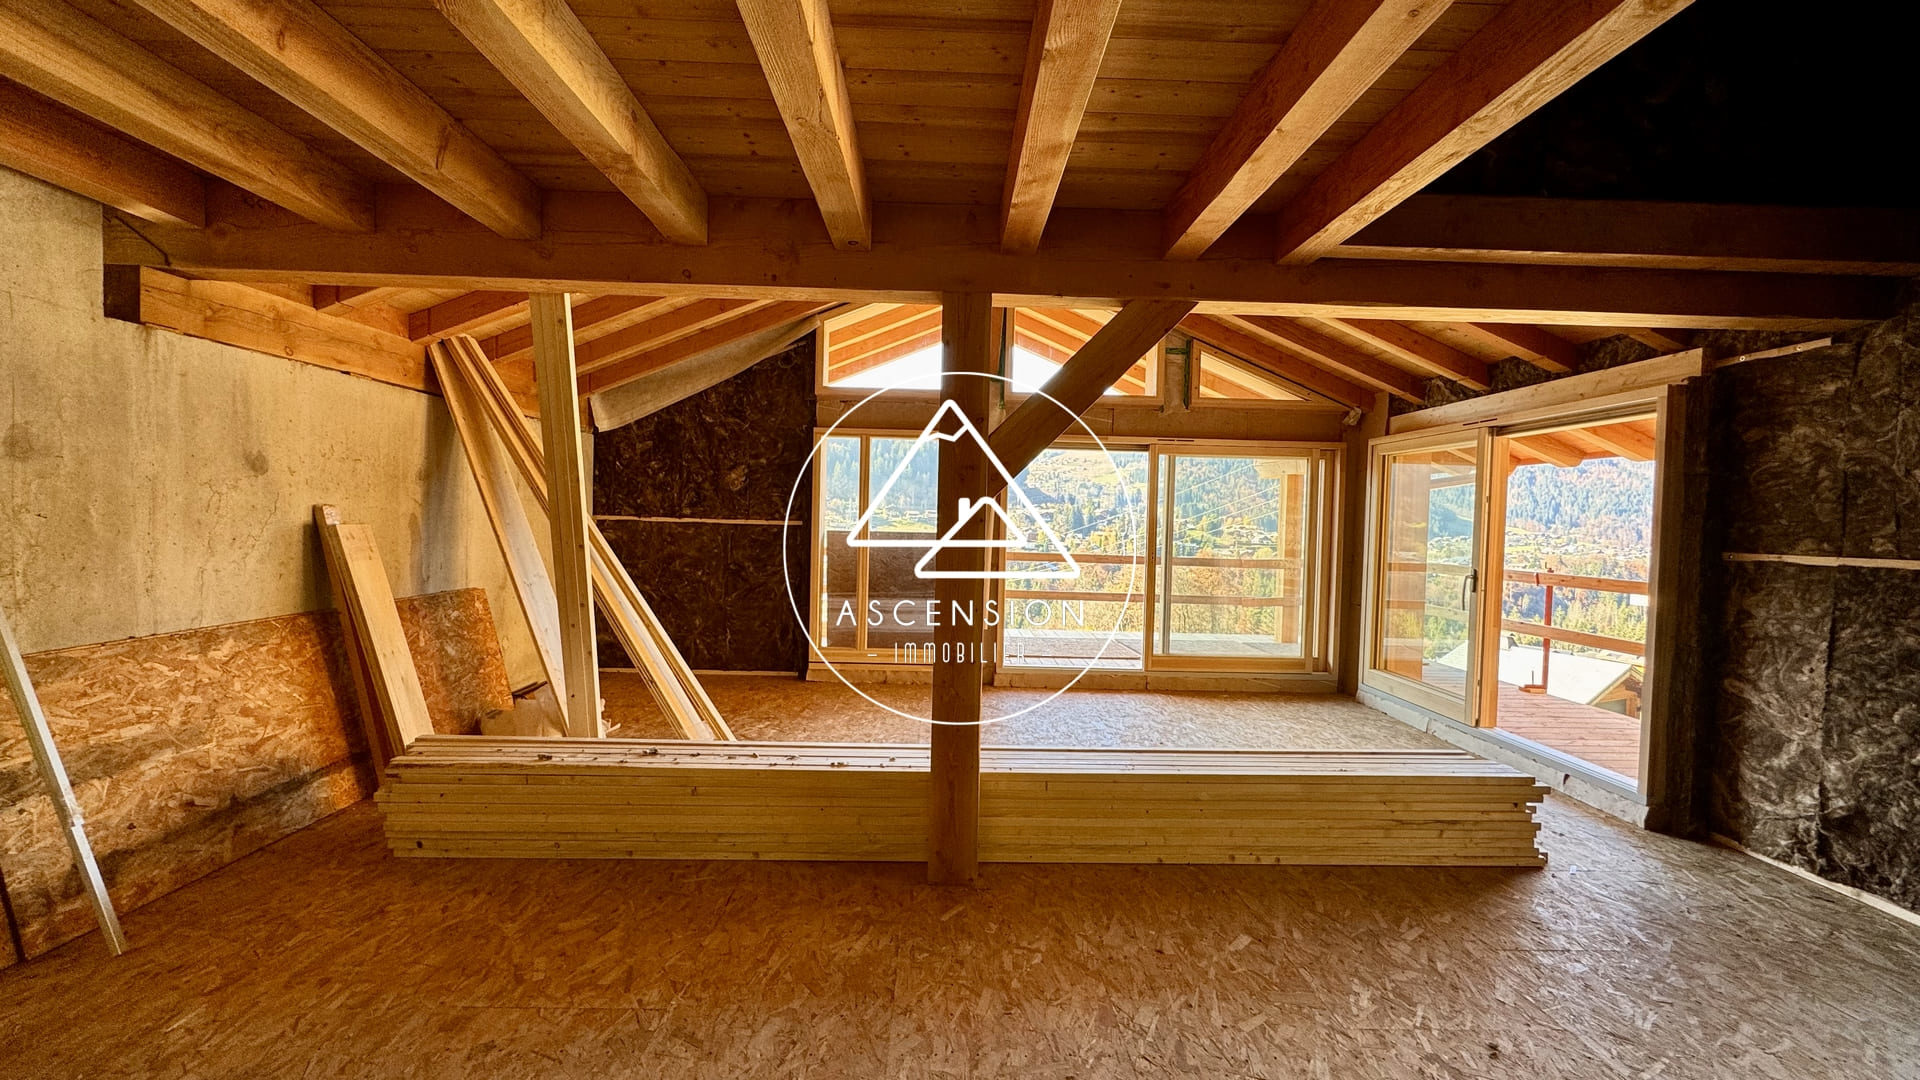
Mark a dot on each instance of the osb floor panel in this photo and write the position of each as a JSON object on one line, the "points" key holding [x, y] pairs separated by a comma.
{"points": [[766, 708], [1634, 956]]}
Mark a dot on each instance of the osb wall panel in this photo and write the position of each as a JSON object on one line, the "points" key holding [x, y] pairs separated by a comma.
{"points": [[189, 750], [1816, 745], [667, 489]]}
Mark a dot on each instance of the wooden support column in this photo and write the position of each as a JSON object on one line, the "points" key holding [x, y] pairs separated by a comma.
{"points": [[970, 343], [567, 507]]}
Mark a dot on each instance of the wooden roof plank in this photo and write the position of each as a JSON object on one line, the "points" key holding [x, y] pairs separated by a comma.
{"points": [[1063, 58], [1338, 51], [306, 56], [1522, 58]]}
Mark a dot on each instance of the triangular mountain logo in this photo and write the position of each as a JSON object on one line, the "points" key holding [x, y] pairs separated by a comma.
{"points": [[947, 425]]}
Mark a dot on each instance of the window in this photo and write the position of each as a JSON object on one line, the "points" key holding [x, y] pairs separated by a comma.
{"points": [[1228, 565], [1241, 548]]}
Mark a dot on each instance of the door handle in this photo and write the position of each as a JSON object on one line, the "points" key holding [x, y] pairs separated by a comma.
{"points": [[1469, 585]]}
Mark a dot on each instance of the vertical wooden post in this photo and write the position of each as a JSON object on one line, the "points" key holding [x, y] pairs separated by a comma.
{"points": [[567, 507], [54, 773], [970, 343]]}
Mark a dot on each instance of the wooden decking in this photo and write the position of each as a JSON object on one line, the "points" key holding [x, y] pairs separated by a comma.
{"points": [[472, 796], [1607, 739]]}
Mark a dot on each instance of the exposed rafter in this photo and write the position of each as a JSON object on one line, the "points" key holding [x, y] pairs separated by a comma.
{"points": [[306, 56], [1337, 356], [471, 313], [1419, 351], [1521, 59], [544, 50], [82, 64], [46, 141], [1338, 51], [680, 322], [1063, 57], [1530, 343], [593, 318], [794, 40]]}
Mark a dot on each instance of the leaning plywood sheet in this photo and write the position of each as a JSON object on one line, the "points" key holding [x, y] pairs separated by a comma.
{"points": [[462, 366], [53, 773], [374, 621], [628, 798]]}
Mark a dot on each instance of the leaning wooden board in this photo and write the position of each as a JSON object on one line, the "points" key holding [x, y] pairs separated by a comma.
{"points": [[468, 796]]}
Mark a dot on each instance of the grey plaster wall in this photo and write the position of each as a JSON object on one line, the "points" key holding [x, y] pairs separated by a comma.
{"points": [[152, 483], [1815, 750]]}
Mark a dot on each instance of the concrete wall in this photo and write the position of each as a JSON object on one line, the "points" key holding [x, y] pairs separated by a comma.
{"points": [[153, 483]]}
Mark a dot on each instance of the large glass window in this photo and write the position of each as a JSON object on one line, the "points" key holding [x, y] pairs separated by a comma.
{"points": [[1227, 565], [1057, 622], [1242, 536]]}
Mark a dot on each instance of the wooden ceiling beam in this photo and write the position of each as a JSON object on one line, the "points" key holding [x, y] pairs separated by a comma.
{"points": [[469, 313], [653, 333], [1263, 354], [1524, 56], [794, 41], [597, 242], [546, 52], [65, 149], [1035, 423], [306, 56], [1417, 349], [1652, 235], [1538, 347], [1337, 52], [1064, 51], [1342, 358], [632, 365], [67, 56]]}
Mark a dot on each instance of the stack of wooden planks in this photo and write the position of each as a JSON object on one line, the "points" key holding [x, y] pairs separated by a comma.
{"points": [[467, 796]]}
